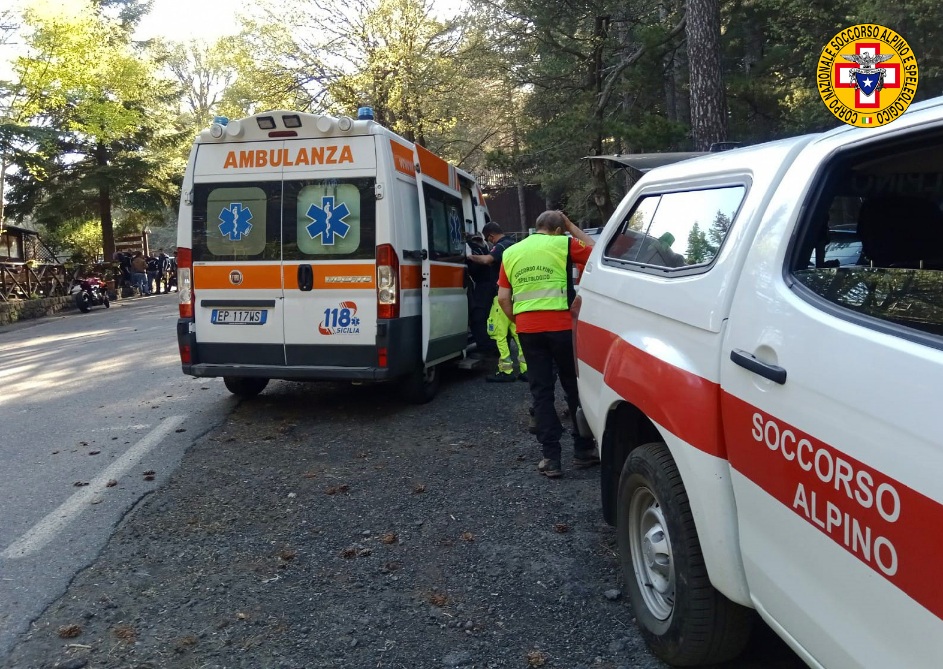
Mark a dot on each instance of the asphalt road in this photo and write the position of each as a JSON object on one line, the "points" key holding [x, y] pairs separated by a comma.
{"points": [[88, 404]]}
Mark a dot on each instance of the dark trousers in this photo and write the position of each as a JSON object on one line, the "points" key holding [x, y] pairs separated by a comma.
{"points": [[550, 354], [480, 298]]}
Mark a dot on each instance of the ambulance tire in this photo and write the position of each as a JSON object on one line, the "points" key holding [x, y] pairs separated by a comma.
{"points": [[245, 387], [682, 617], [422, 384]]}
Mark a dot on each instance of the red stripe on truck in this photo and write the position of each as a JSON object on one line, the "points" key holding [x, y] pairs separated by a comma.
{"points": [[684, 403], [891, 528]]}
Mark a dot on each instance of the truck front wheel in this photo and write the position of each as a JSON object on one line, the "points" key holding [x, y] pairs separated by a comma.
{"points": [[683, 618]]}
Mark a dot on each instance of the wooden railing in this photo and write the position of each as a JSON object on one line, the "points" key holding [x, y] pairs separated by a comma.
{"points": [[25, 281]]}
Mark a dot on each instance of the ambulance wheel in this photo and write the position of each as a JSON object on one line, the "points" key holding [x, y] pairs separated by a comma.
{"points": [[422, 385], [683, 618], [245, 387]]}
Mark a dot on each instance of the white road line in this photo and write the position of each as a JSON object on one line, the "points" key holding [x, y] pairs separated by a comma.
{"points": [[45, 530]]}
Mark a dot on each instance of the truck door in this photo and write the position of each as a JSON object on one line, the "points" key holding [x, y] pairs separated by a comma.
{"points": [[329, 247], [830, 380], [237, 278], [444, 301]]}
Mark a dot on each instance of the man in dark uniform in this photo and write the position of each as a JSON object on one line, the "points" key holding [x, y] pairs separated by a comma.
{"points": [[498, 242], [481, 289]]}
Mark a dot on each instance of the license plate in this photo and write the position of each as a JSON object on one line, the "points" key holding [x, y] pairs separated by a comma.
{"points": [[239, 316]]}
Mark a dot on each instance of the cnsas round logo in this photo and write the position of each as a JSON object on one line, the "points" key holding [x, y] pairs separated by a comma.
{"points": [[867, 75]]}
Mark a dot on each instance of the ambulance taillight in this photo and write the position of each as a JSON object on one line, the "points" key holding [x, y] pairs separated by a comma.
{"points": [[387, 282], [185, 281]]}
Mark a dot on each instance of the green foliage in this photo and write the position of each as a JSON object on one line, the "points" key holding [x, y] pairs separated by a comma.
{"points": [[112, 114], [80, 239], [698, 248], [97, 126]]}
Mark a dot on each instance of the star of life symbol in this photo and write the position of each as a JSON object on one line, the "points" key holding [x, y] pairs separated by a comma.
{"points": [[868, 79], [235, 222], [328, 220]]}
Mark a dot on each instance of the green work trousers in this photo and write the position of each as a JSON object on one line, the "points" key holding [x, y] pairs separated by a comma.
{"points": [[499, 327]]}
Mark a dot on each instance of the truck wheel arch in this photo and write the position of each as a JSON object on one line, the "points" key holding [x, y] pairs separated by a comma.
{"points": [[627, 428]]}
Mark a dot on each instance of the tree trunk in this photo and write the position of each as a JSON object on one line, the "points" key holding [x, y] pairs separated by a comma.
{"points": [[104, 206], [601, 197], [521, 201], [708, 98]]}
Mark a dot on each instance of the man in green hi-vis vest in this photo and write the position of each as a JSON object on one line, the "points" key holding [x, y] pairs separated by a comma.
{"points": [[534, 285]]}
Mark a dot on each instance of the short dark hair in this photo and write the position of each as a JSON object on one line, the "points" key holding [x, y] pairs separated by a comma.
{"points": [[551, 220], [491, 229]]}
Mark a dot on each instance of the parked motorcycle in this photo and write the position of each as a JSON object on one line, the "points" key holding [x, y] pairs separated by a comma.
{"points": [[89, 292]]}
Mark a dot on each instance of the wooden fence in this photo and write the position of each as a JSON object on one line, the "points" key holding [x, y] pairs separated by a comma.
{"points": [[30, 280]]}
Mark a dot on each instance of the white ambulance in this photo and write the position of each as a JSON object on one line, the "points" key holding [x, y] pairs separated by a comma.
{"points": [[311, 247], [760, 353]]}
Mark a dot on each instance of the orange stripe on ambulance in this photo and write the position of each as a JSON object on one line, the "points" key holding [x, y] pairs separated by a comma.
{"points": [[315, 155], [835, 471]]}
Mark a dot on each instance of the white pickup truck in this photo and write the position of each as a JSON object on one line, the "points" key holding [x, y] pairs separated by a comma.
{"points": [[759, 336]]}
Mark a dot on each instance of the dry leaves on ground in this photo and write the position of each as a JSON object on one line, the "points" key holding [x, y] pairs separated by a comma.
{"points": [[537, 658], [69, 631]]}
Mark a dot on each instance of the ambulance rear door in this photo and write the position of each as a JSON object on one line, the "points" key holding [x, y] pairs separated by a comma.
{"points": [[237, 279], [444, 301], [329, 246]]}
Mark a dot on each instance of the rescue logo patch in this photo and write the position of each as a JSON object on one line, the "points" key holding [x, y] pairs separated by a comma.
{"points": [[235, 222], [340, 321], [328, 220], [867, 75]]}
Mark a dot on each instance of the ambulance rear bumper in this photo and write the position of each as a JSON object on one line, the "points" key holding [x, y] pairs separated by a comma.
{"points": [[398, 337], [296, 373]]}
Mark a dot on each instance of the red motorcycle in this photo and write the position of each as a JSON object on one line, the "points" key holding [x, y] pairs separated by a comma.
{"points": [[89, 292]]}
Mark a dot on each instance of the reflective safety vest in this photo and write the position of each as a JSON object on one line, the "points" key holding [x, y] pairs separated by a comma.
{"points": [[536, 269]]}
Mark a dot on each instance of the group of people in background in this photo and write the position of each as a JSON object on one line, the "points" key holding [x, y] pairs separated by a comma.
{"points": [[147, 274], [523, 292]]}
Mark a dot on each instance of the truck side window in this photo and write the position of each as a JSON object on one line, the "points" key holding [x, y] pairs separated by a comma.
{"points": [[873, 245], [677, 230]]}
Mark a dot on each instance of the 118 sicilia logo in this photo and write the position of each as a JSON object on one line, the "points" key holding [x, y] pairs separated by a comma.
{"points": [[867, 75]]}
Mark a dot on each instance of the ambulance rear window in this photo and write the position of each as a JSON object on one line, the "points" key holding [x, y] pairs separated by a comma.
{"points": [[303, 219], [237, 221], [330, 218]]}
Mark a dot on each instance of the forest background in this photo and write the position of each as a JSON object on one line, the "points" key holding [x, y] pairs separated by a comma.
{"points": [[95, 126]]}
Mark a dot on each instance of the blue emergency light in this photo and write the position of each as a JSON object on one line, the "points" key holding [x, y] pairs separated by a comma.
{"points": [[365, 114], [222, 120]]}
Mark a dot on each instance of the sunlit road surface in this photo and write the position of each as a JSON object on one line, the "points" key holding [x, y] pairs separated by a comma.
{"points": [[94, 414]]}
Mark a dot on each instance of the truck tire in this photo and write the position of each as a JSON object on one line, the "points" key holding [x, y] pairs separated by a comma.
{"points": [[245, 387], [682, 617], [421, 385]]}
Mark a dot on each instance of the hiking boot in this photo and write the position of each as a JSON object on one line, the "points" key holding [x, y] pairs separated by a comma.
{"points": [[550, 468], [587, 458], [500, 377], [522, 377]]}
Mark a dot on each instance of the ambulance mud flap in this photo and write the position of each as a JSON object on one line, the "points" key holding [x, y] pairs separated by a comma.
{"points": [[186, 342]]}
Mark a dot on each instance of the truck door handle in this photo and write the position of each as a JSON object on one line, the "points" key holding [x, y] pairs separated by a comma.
{"points": [[748, 361], [305, 277]]}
